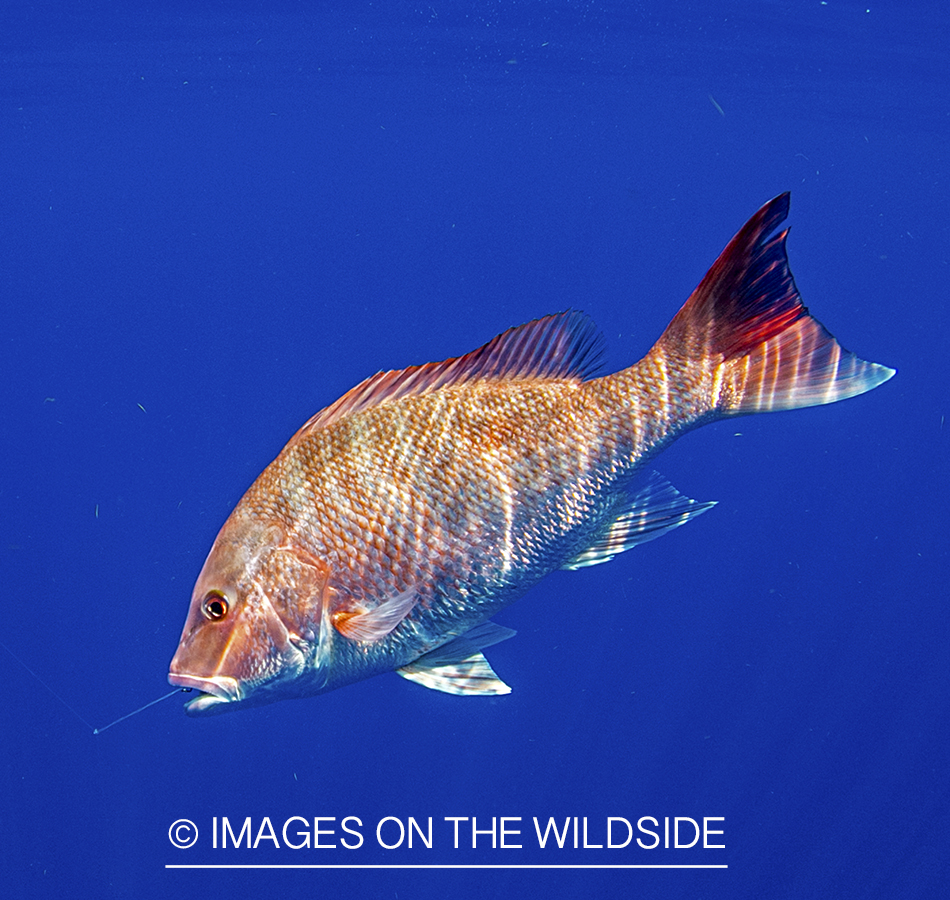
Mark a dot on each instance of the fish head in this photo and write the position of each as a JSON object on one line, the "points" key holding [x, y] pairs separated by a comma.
{"points": [[253, 623]]}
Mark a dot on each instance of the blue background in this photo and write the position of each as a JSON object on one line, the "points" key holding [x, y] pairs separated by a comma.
{"points": [[230, 216]]}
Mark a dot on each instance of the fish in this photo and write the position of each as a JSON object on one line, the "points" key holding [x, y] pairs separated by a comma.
{"points": [[401, 518]]}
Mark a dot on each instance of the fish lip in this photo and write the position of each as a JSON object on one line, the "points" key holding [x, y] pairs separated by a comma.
{"points": [[222, 688]]}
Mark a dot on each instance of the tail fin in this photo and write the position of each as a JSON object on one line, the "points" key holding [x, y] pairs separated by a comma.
{"points": [[748, 328]]}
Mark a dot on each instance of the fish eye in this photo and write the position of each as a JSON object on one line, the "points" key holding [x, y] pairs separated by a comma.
{"points": [[215, 605]]}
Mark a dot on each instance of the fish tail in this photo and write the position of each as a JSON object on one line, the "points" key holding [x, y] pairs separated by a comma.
{"points": [[745, 343]]}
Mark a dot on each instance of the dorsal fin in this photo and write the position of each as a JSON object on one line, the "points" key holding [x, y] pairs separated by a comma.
{"points": [[564, 345]]}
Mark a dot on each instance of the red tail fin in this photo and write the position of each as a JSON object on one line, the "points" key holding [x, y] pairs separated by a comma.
{"points": [[747, 326]]}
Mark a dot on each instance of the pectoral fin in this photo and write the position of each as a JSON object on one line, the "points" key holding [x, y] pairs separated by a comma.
{"points": [[375, 624], [459, 667]]}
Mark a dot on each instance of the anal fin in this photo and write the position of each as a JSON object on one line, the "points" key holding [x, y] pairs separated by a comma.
{"points": [[651, 512]]}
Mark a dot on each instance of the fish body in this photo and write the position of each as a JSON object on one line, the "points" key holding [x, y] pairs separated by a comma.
{"points": [[397, 521]]}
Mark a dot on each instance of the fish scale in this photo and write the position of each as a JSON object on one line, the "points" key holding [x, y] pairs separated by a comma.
{"points": [[397, 521]]}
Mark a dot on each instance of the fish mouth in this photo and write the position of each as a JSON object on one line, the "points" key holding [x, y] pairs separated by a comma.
{"points": [[216, 691]]}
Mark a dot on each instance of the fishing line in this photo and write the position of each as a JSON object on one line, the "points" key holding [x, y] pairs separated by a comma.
{"points": [[147, 705], [76, 714], [40, 680]]}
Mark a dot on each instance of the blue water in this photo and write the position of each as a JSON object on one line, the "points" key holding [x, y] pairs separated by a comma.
{"points": [[213, 223]]}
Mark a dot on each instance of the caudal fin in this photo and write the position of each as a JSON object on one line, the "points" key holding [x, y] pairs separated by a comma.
{"points": [[747, 328]]}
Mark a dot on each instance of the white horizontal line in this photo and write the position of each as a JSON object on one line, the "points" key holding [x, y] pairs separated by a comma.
{"points": [[435, 866]]}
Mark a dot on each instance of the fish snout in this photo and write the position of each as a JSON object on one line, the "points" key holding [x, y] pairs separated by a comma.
{"points": [[217, 692], [221, 687]]}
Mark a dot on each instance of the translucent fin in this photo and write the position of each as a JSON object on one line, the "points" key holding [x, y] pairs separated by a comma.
{"points": [[746, 327], [487, 634], [470, 676], [802, 366], [650, 513], [375, 624], [459, 667], [564, 345]]}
